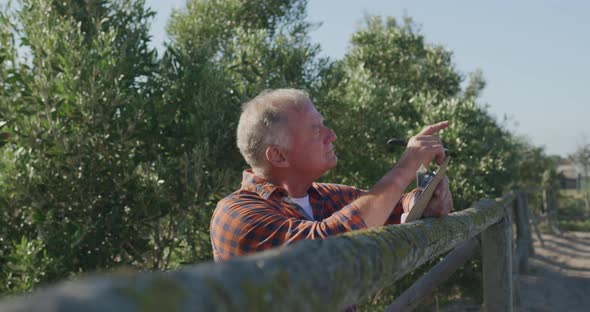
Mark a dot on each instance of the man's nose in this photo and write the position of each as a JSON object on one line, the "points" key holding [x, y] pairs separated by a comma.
{"points": [[331, 136]]}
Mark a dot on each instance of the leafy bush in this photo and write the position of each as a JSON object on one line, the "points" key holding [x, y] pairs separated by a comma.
{"points": [[117, 156]]}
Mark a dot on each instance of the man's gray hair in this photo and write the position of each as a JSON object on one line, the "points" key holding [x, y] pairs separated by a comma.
{"points": [[264, 123]]}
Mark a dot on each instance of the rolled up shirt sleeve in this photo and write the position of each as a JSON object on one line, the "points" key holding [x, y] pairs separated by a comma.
{"points": [[402, 208]]}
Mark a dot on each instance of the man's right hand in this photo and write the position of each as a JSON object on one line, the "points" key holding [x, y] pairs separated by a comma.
{"points": [[422, 149], [376, 206]]}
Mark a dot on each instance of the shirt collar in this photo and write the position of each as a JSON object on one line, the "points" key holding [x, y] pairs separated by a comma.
{"points": [[264, 188], [256, 184]]}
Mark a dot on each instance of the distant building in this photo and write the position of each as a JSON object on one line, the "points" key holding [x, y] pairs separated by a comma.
{"points": [[570, 176]]}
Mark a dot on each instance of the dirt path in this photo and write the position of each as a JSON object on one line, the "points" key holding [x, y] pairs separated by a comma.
{"points": [[558, 279], [559, 274]]}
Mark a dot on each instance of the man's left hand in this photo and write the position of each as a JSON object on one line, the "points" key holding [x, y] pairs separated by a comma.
{"points": [[441, 202]]}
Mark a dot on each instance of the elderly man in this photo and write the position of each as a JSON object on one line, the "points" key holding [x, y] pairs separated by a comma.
{"points": [[283, 138]]}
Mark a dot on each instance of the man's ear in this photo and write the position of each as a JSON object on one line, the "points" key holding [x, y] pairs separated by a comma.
{"points": [[276, 157]]}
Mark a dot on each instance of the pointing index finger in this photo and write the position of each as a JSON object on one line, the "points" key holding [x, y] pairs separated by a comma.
{"points": [[432, 129]]}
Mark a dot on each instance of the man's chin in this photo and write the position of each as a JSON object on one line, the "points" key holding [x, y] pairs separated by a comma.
{"points": [[330, 165], [331, 157], [333, 162]]}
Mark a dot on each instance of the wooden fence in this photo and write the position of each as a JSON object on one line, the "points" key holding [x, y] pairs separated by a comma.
{"points": [[319, 275]]}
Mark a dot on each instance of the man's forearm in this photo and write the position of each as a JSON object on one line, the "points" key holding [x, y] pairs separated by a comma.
{"points": [[376, 206]]}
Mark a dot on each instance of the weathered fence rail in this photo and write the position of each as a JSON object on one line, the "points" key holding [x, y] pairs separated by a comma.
{"points": [[320, 275]]}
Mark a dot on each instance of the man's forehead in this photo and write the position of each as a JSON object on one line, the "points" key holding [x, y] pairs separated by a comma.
{"points": [[304, 107], [307, 115], [312, 113]]}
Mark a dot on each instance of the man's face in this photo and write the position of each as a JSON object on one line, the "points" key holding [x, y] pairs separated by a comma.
{"points": [[311, 152]]}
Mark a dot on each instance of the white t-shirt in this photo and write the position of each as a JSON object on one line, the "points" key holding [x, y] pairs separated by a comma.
{"points": [[303, 202]]}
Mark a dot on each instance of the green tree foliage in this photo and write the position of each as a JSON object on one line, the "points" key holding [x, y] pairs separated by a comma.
{"points": [[6, 68], [76, 184], [393, 84], [117, 156], [387, 67], [256, 44], [582, 157]]}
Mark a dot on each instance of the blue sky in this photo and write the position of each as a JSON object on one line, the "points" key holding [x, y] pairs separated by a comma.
{"points": [[534, 54]]}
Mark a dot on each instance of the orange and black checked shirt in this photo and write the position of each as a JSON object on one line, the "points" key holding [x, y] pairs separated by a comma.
{"points": [[261, 215]]}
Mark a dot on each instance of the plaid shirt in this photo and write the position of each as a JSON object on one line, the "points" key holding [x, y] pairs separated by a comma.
{"points": [[262, 215]]}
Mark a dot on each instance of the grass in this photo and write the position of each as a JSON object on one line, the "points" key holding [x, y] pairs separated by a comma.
{"points": [[578, 226]]}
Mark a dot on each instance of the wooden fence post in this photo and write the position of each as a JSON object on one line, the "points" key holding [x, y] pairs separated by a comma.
{"points": [[527, 217], [511, 215], [522, 243], [536, 226], [497, 266]]}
